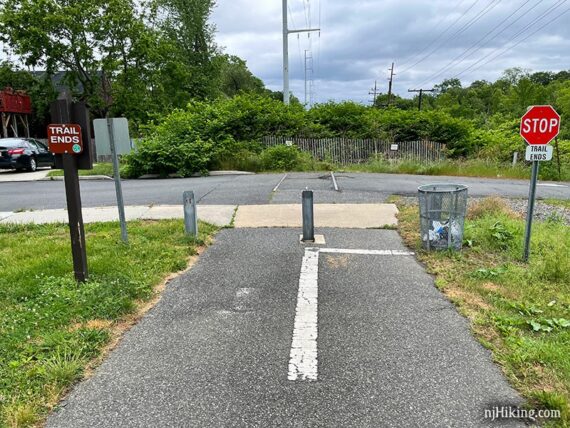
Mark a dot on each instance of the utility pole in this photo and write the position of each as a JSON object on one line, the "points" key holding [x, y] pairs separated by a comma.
{"points": [[374, 92], [390, 85], [421, 91], [286, 32]]}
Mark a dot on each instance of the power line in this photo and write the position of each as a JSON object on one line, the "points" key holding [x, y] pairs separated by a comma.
{"points": [[318, 68], [475, 47], [435, 27], [520, 32], [476, 18], [519, 42], [441, 35]]}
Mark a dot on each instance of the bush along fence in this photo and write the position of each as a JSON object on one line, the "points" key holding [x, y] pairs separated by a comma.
{"points": [[346, 151]]}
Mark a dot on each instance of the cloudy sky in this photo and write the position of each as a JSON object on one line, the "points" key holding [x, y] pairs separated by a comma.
{"points": [[429, 40]]}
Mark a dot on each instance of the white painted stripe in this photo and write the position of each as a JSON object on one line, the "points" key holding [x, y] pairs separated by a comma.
{"points": [[303, 358], [367, 252], [334, 181], [550, 185], [279, 184]]}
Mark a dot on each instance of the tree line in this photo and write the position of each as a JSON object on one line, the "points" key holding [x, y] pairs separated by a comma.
{"points": [[138, 59]]}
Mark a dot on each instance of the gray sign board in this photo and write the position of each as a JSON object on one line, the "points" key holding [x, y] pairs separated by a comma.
{"points": [[121, 134]]}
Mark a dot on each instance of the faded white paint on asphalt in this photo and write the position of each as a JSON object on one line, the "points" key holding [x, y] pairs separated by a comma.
{"points": [[303, 358], [367, 252], [280, 181], [335, 184], [550, 185]]}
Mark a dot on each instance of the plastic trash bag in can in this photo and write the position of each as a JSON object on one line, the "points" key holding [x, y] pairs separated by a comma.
{"points": [[442, 215]]}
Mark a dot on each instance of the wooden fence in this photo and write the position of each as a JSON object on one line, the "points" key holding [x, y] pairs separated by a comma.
{"points": [[349, 151]]}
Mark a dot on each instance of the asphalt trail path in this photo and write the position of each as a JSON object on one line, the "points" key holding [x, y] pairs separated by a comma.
{"points": [[215, 351]]}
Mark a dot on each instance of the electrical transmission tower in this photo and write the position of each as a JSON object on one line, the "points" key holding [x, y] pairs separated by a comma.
{"points": [[374, 93], [286, 32], [309, 82]]}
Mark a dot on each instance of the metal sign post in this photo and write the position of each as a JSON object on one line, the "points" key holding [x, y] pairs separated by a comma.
{"points": [[530, 211], [112, 138], [117, 177]]}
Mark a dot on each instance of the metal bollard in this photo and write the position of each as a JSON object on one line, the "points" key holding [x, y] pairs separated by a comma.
{"points": [[190, 213], [308, 219]]}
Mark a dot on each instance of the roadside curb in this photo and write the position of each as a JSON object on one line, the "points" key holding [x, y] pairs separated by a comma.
{"points": [[84, 177]]}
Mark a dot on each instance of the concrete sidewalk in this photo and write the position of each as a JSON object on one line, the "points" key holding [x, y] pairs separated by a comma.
{"points": [[219, 215], [11, 176], [353, 216]]}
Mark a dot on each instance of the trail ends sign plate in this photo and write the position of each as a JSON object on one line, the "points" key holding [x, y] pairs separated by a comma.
{"points": [[539, 153], [65, 138], [539, 125]]}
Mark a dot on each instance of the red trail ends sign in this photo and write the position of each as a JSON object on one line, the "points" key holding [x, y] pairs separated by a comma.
{"points": [[65, 138]]}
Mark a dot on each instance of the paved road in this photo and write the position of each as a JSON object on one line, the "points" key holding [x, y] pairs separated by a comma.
{"points": [[215, 351], [258, 189]]}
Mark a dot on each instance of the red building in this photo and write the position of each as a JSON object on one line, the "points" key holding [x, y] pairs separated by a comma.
{"points": [[15, 106]]}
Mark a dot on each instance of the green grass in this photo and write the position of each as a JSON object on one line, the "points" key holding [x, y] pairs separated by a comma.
{"points": [[104, 168], [520, 311], [462, 168], [51, 328]]}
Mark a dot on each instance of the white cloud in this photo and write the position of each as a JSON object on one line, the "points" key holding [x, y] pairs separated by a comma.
{"points": [[360, 39]]}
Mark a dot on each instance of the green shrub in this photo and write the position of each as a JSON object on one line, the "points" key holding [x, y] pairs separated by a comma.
{"points": [[158, 155], [281, 158]]}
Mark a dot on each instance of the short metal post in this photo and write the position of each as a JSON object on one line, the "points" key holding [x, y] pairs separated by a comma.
{"points": [[190, 213], [308, 219]]}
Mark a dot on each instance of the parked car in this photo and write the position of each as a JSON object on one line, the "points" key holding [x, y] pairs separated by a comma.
{"points": [[24, 153]]}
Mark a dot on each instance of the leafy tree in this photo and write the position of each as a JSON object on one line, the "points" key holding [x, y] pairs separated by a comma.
{"points": [[235, 77], [92, 40], [184, 24], [447, 85], [395, 102]]}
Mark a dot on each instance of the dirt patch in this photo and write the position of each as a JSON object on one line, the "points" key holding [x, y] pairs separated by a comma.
{"points": [[466, 297], [337, 262]]}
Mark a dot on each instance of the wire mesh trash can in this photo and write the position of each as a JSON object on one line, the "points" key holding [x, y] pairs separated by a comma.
{"points": [[442, 215]]}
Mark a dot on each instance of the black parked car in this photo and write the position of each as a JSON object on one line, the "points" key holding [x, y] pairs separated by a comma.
{"points": [[24, 153]]}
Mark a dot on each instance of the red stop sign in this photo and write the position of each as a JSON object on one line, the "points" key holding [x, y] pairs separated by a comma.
{"points": [[539, 125]]}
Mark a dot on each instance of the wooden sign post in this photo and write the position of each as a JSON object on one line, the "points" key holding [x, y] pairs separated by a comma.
{"points": [[70, 119]]}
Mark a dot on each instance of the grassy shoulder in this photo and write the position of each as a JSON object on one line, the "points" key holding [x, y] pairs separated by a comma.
{"points": [[521, 312], [51, 329], [283, 158], [103, 168], [459, 168]]}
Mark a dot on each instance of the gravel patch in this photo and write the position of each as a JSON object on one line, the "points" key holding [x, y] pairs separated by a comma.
{"points": [[542, 210]]}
